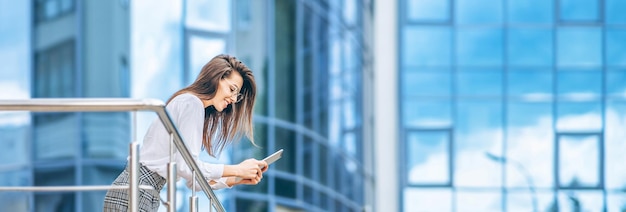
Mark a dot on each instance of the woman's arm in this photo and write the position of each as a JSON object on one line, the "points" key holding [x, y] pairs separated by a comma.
{"points": [[188, 115], [252, 173]]}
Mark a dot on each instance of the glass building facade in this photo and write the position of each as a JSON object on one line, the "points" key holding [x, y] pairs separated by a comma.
{"points": [[307, 57], [512, 105]]}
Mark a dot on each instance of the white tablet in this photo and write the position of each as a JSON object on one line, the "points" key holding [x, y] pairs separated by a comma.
{"points": [[273, 157], [269, 160]]}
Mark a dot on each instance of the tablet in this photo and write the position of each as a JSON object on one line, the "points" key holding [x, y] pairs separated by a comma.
{"points": [[269, 160], [273, 157]]}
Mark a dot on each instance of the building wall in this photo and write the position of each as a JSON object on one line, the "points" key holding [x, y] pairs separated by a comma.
{"points": [[511, 105], [15, 48], [309, 103], [75, 148], [310, 59]]}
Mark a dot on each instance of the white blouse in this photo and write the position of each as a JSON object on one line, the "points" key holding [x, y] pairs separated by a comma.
{"points": [[187, 112]]}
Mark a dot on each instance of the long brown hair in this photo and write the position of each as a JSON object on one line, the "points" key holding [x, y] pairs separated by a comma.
{"points": [[235, 120]]}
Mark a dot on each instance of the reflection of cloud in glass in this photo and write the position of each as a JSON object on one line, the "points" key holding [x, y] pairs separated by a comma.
{"points": [[14, 118], [530, 145], [430, 170], [209, 14], [349, 11], [537, 97], [615, 147], [154, 30], [155, 53], [435, 199], [334, 126], [578, 161], [472, 201], [470, 164], [12, 90], [580, 201], [581, 96], [202, 50], [473, 169], [582, 122], [534, 140]]}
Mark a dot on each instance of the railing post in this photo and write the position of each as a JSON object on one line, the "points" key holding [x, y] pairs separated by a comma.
{"points": [[134, 177], [211, 204], [193, 200], [171, 179], [171, 187]]}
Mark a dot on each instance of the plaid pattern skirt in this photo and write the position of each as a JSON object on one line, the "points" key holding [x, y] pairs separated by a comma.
{"points": [[149, 200]]}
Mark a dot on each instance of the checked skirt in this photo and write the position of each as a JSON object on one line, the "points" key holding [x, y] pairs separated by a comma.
{"points": [[149, 200]]}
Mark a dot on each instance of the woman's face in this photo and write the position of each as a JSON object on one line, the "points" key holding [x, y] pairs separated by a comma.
{"points": [[228, 91]]}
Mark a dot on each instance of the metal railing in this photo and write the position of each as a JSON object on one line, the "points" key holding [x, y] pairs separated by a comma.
{"points": [[113, 105]]}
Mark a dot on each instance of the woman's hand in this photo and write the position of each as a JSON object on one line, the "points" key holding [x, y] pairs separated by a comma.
{"points": [[251, 168], [249, 172]]}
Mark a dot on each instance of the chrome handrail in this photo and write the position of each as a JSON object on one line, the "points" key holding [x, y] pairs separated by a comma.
{"points": [[68, 188], [116, 104]]}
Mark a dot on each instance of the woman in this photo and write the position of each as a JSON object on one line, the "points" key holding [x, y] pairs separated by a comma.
{"points": [[211, 113]]}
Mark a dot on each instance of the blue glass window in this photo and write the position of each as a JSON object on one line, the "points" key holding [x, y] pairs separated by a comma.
{"points": [[579, 160], [614, 145], [46, 10], [615, 201], [309, 154], [350, 14], [428, 10], [523, 200], [616, 47], [479, 83], [478, 11], [335, 123], [15, 201], [530, 83], [433, 83], [579, 46], [530, 11], [14, 134], [430, 199], [562, 66], [350, 113], [479, 200], [426, 46], [16, 83], [530, 47], [614, 11], [579, 85], [350, 144], [580, 200], [579, 10], [284, 139], [201, 50], [579, 116], [427, 113], [479, 47], [530, 149], [208, 15], [615, 86], [428, 157], [478, 131]]}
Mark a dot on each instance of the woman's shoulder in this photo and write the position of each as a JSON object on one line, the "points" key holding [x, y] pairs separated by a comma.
{"points": [[186, 99]]}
